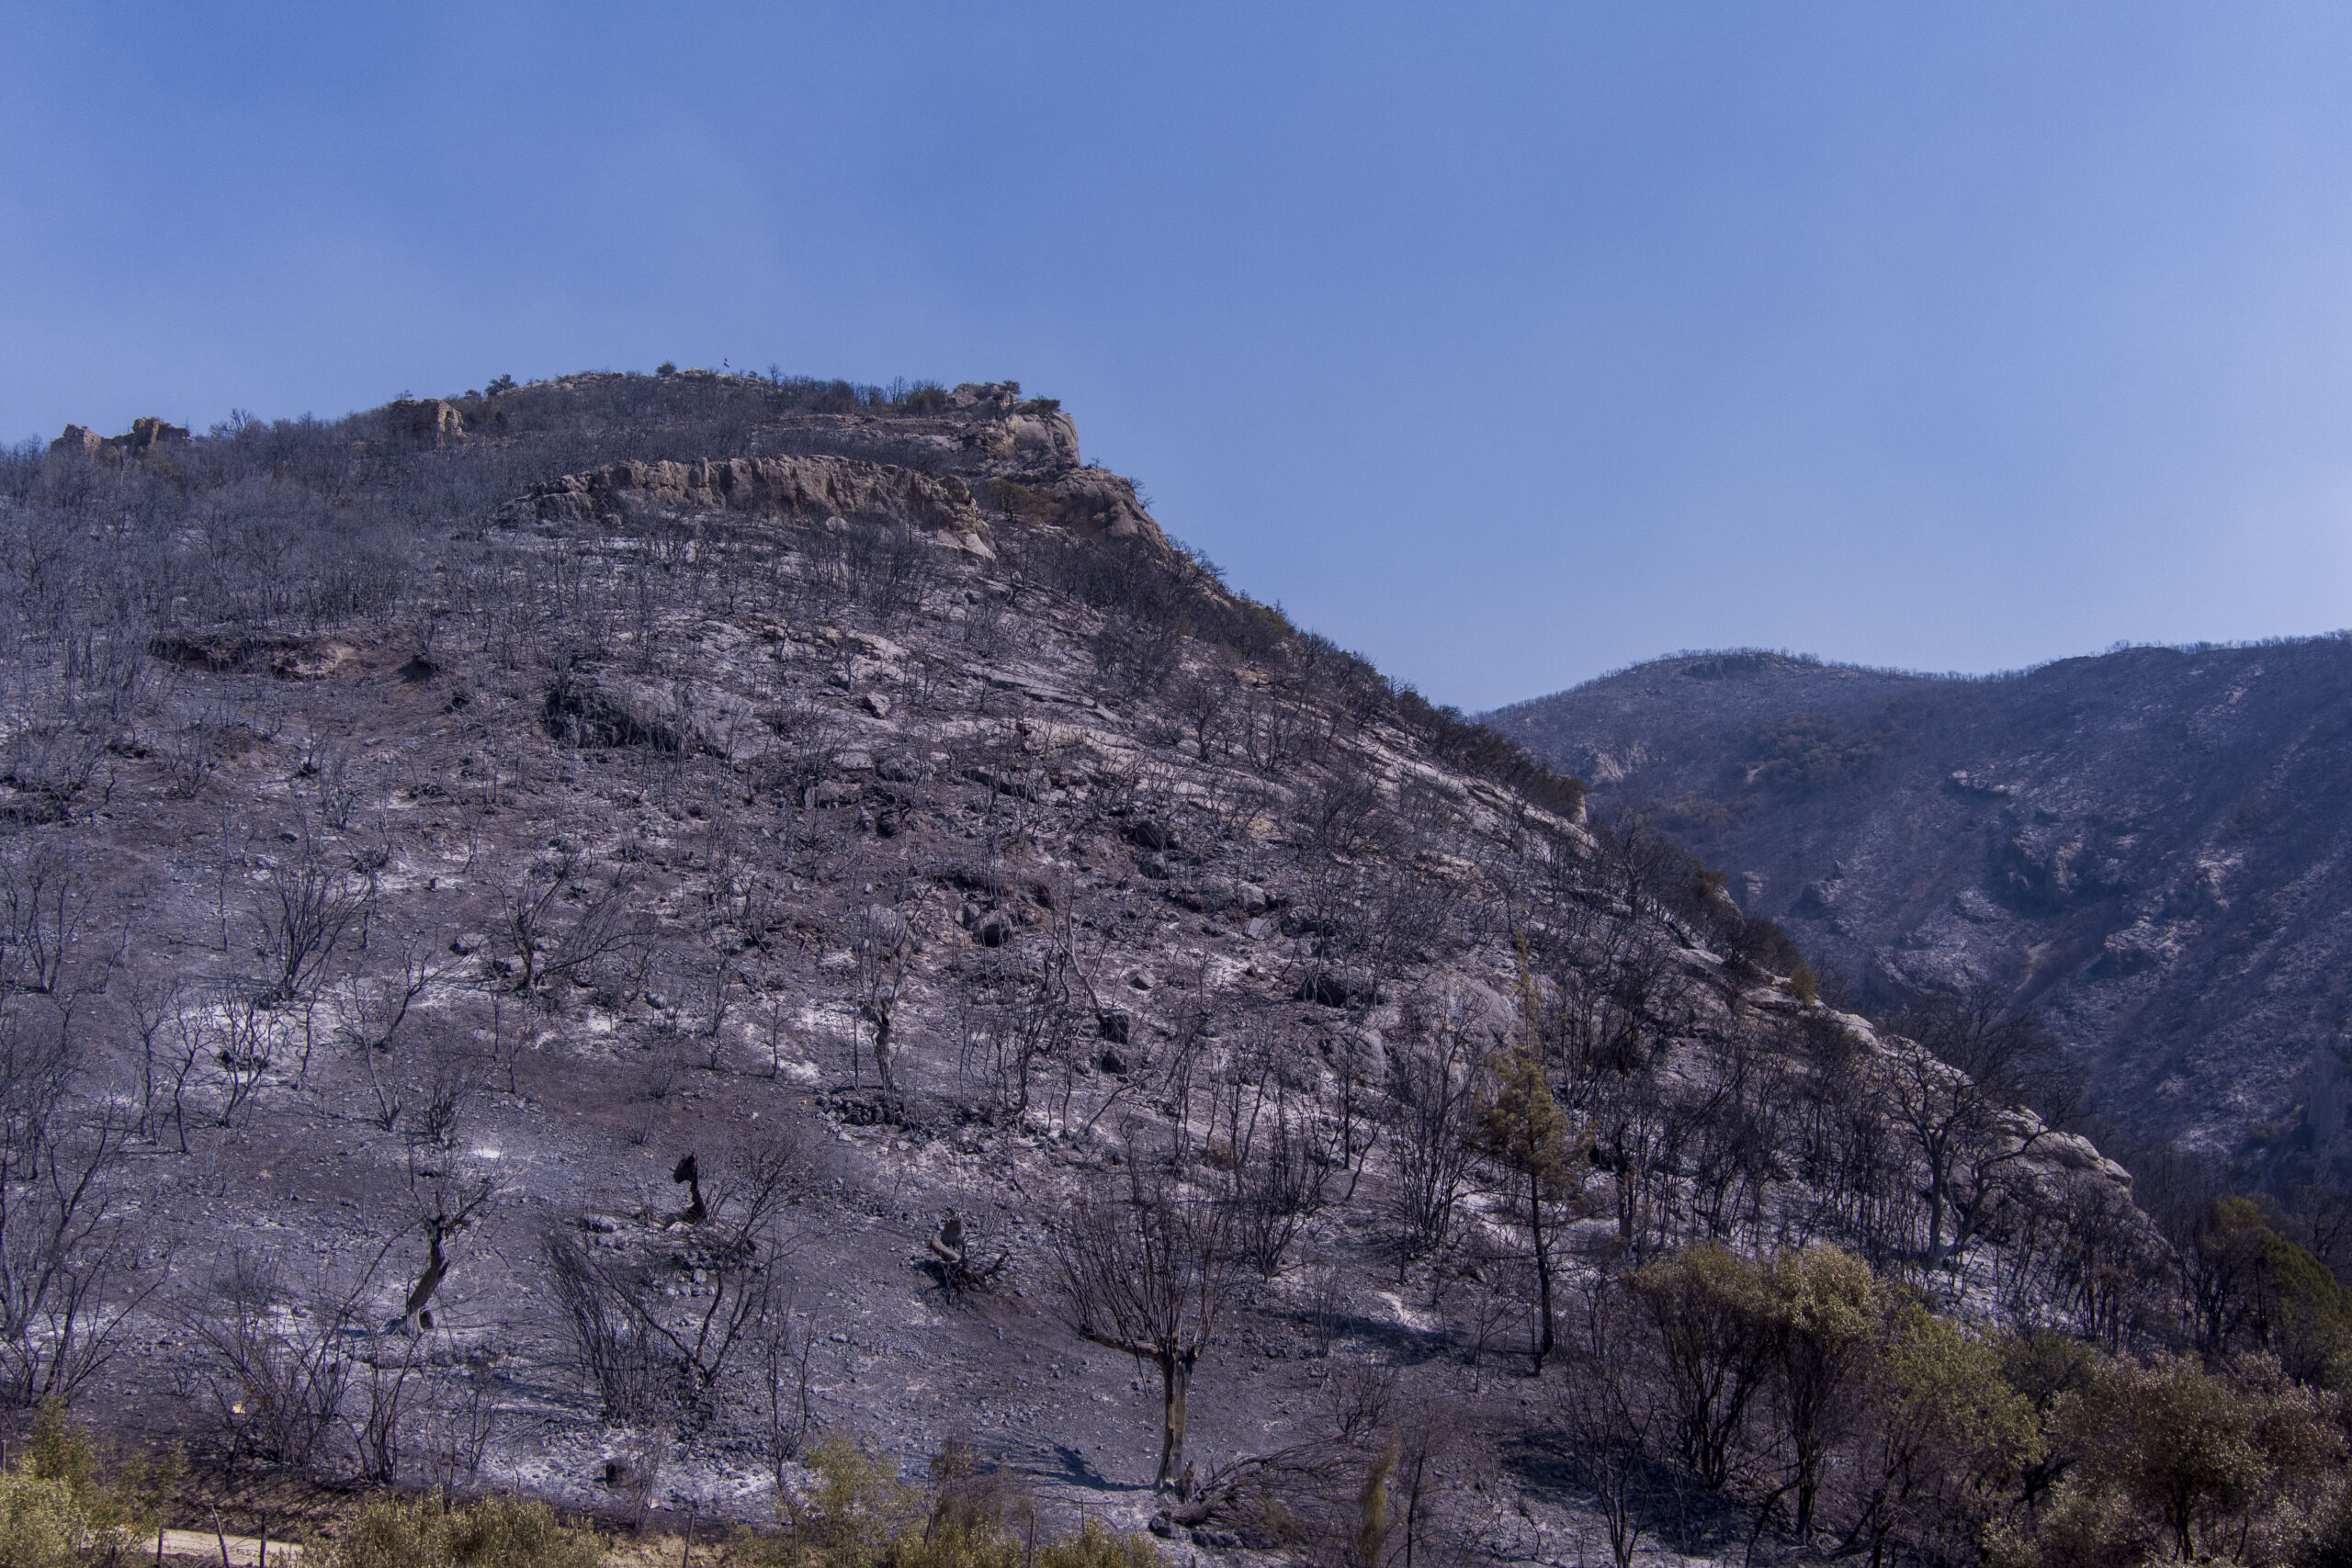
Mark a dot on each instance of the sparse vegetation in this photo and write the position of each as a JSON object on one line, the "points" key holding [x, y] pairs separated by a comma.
{"points": [[857, 1513], [430, 1531]]}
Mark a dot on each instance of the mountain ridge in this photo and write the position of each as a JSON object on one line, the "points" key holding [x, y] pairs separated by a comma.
{"points": [[2099, 835]]}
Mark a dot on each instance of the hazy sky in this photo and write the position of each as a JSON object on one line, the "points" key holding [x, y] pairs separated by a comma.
{"points": [[1507, 344]]}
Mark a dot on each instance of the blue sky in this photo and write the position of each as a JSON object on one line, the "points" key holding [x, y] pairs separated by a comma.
{"points": [[1508, 344]]}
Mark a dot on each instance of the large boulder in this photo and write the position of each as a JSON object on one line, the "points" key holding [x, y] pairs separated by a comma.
{"points": [[1030, 433], [1029, 438], [1090, 502]]}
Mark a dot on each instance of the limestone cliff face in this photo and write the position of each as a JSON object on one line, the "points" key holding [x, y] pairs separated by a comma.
{"points": [[2154, 845], [796, 488]]}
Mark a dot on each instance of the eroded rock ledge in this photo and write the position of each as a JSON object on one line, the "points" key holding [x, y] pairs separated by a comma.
{"points": [[1088, 501]]}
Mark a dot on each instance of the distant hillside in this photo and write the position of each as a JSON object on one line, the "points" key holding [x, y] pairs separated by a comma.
{"points": [[2154, 845]]}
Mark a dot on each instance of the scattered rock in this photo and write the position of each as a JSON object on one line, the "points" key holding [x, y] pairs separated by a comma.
{"points": [[589, 713], [288, 657], [1335, 987]]}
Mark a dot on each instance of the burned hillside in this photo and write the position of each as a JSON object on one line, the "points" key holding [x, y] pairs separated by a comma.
{"points": [[582, 935]]}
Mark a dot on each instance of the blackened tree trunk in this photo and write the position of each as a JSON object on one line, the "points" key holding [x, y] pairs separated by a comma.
{"points": [[1145, 1275]]}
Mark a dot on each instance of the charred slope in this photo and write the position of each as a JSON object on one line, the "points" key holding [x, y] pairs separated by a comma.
{"points": [[2154, 845], [580, 936]]}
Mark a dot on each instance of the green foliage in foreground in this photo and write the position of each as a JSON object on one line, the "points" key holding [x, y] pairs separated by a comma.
{"points": [[56, 1512], [53, 1505], [859, 1514], [1799, 1377], [432, 1532], [40, 1526]]}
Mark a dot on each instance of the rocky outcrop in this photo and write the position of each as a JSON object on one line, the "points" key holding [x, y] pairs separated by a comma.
{"points": [[585, 711], [147, 435], [1004, 430], [1030, 434], [428, 421], [801, 489], [1090, 502], [288, 657], [148, 432]]}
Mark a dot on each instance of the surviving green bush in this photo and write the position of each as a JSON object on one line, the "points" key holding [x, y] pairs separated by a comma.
{"points": [[2250, 1287], [2172, 1459], [431, 1532], [57, 1494], [40, 1525], [859, 1513]]}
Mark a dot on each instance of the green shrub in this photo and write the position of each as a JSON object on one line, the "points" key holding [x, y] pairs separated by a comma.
{"points": [[859, 1513], [110, 1514], [40, 1525], [1094, 1546], [858, 1509], [517, 1532], [427, 1532], [949, 1545], [2176, 1459], [389, 1533]]}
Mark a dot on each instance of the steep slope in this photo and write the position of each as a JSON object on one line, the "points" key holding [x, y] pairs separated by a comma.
{"points": [[585, 933], [2154, 845]]}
